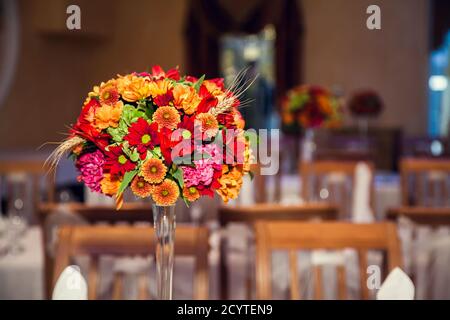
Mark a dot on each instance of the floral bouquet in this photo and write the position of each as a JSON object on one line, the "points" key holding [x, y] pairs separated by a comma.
{"points": [[365, 103], [308, 106], [162, 135]]}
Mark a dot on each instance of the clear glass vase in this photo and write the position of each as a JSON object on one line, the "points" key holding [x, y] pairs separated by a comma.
{"points": [[164, 223]]}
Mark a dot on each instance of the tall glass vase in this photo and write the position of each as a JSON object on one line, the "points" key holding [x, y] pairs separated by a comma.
{"points": [[164, 223]]}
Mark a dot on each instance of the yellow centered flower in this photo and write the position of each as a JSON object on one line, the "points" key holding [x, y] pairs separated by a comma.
{"points": [[146, 138], [153, 170], [122, 159]]}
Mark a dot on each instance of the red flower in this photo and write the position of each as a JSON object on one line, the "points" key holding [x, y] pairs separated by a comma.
{"points": [[166, 144], [143, 136], [84, 129], [117, 162], [207, 103], [158, 73], [164, 99]]}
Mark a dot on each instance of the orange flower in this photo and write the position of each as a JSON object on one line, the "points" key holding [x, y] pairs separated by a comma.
{"points": [[141, 188], [108, 94], [167, 117], [166, 193], [209, 124], [186, 98], [191, 193], [213, 88], [159, 87], [230, 183], [110, 184], [107, 116], [325, 105], [153, 170], [133, 88]]}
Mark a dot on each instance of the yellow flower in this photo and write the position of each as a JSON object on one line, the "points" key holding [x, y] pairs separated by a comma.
{"points": [[109, 184], [166, 193], [159, 87], [186, 98], [107, 116], [133, 88]]}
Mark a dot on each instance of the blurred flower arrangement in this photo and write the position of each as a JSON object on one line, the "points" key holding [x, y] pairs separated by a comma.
{"points": [[162, 135], [308, 107], [365, 103]]}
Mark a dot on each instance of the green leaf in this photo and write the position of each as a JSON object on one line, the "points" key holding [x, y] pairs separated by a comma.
{"points": [[129, 175], [199, 82], [178, 176]]}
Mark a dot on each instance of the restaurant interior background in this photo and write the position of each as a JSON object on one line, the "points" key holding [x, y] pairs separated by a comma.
{"points": [[46, 70]]}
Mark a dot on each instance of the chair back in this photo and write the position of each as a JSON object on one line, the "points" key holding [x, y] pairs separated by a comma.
{"points": [[333, 182], [33, 170], [293, 236], [425, 182], [95, 241]]}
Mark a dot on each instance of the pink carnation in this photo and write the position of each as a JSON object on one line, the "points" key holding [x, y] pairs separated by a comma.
{"points": [[203, 173], [90, 166]]}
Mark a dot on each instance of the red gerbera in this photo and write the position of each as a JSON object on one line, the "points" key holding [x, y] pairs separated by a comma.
{"points": [[143, 136], [117, 162]]}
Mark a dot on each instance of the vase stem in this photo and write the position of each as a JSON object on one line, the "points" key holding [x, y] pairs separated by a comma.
{"points": [[164, 222]]}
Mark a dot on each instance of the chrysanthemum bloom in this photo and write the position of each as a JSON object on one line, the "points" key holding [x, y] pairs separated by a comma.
{"points": [[186, 98], [214, 86], [166, 193], [117, 162], [153, 170], [108, 116], [143, 136], [90, 166], [141, 188], [108, 94], [133, 88], [110, 184], [208, 124], [191, 193], [167, 117], [230, 183], [159, 87]]}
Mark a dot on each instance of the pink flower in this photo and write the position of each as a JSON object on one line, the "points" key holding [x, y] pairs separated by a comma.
{"points": [[203, 172], [90, 166]]}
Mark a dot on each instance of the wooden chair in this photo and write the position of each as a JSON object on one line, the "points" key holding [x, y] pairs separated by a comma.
{"points": [[95, 241], [425, 176], [130, 213], [314, 175], [36, 169], [293, 236], [251, 214], [434, 217], [421, 216]]}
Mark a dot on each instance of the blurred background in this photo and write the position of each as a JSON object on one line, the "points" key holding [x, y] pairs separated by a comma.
{"points": [[385, 168]]}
